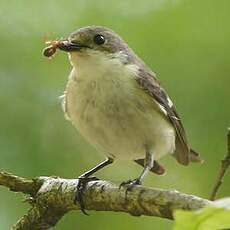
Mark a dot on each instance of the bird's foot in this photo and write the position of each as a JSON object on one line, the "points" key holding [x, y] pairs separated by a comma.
{"points": [[79, 196], [130, 184]]}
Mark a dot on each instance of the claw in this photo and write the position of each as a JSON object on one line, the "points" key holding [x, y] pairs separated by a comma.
{"points": [[82, 182]]}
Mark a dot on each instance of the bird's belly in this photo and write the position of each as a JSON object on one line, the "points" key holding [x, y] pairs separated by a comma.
{"points": [[119, 123]]}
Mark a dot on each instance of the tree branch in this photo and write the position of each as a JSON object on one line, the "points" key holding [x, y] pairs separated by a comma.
{"points": [[53, 197], [225, 164], [19, 184]]}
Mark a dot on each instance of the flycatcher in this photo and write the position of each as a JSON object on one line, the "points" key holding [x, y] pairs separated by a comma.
{"points": [[116, 102]]}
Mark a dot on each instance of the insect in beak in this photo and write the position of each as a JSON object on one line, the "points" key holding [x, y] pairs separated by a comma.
{"points": [[64, 45]]}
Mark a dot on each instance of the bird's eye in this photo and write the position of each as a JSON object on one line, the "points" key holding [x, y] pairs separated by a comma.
{"points": [[99, 39]]}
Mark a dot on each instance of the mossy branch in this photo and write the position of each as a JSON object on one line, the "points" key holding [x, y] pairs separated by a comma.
{"points": [[53, 197]]}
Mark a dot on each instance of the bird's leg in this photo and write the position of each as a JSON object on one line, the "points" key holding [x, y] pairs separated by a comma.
{"points": [[84, 178], [147, 167]]}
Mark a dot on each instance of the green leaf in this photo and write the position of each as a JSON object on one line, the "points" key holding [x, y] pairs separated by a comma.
{"points": [[213, 217]]}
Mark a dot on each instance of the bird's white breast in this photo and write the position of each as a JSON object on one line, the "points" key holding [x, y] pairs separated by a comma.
{"points": [[111, 111]]}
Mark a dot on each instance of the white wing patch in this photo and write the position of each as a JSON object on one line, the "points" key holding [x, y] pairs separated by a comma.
{"points": [[170, 104], [161, 108]]}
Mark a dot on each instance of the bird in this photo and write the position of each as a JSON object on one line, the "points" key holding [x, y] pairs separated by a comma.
{"points": [[117, 104]]}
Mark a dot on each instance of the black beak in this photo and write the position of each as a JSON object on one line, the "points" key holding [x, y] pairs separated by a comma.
{"points": [[69, 46]]}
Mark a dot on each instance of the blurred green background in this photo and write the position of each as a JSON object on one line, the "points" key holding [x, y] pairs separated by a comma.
{"points": [[186, 42]]}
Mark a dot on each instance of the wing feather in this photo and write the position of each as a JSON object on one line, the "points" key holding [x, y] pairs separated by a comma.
{"points": [[148, 81]]}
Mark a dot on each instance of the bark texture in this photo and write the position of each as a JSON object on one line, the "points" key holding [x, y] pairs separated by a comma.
{"points": [[53, 197]]}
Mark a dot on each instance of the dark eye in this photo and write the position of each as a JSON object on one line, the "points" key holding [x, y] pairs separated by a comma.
{"points": [[99, 39]]}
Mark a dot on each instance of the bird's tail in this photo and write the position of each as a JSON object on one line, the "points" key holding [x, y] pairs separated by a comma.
{"points": [[195, 157]]}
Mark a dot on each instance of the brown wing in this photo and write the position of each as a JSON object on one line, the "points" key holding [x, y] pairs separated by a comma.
{"points": [[149, 82]]}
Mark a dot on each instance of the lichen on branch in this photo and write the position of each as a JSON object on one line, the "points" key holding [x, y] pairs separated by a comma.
{"points": [[53, 197]]}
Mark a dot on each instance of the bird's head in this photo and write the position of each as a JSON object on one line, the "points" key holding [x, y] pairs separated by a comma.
{"points": [[95, 41]]}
